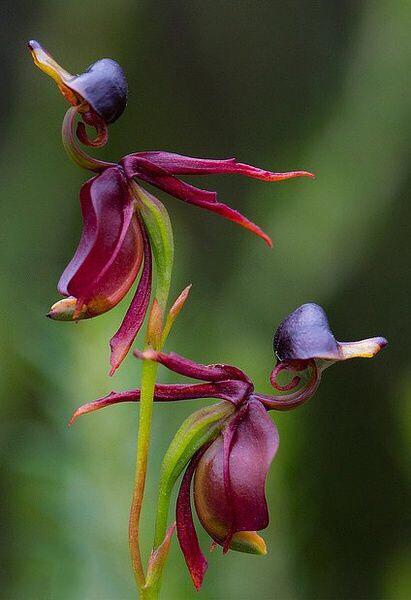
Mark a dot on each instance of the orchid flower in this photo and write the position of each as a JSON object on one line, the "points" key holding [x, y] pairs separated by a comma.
{"points": [[228, 448], [115, 245]]}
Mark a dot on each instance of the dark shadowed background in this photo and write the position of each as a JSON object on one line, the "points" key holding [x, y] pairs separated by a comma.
{"points": [[321, 85]]}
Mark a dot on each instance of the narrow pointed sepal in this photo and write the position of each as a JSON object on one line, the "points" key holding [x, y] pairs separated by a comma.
{"points": [[195, 560], [162, 169], [122, 340]]}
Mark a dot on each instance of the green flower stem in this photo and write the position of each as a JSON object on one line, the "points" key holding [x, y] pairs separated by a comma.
{"points": [[148, 379], [157, 223], [72, 146]]}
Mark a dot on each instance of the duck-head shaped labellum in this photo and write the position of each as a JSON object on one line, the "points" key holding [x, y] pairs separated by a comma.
{"points": [[306, 335], [305, 344], [103, 86]]}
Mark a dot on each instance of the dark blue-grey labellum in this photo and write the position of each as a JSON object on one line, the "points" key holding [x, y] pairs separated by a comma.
{"points": [[306, 334], [104, 87]]}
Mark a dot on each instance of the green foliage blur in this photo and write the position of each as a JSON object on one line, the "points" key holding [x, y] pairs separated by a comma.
{"points": [[316, 84]]}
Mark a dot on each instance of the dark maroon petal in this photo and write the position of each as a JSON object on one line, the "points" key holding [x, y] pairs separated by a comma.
{"points": [[305, 334], [189, 368], [186, 533], [230, 478], [232, 215], [252, 448], [122, 340], [162, 393], [178, 164], [110, 249], [135, 166]]}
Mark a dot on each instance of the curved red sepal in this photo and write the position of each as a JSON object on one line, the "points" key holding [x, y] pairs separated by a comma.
{"points": [[122, 340], [161, 168], [186, 533]]}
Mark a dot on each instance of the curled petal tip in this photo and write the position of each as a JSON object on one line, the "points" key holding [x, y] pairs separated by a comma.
{"points": [[76, 414], [307, 174], [290, 175]]}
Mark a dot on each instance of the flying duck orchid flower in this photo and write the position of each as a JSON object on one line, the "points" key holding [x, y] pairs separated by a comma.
{"points": [[116, 243], [227, 448]]}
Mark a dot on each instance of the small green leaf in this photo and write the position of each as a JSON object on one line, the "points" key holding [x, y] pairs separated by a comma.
{"points": [[157, 222]]}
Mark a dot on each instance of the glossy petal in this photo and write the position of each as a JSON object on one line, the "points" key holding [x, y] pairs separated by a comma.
{"points": [[102, 86], [229, 488], [110, 251], [122, 340], [159, 168], [305, 334]]}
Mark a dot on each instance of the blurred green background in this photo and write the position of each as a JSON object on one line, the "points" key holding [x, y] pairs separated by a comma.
{"points": [[321, 85]]}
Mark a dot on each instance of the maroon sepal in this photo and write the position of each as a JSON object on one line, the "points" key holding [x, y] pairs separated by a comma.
{"points": [[186, 533], [122, 340], [160, 169]]}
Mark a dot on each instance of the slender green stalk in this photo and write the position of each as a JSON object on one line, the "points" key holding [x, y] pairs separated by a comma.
{"points": [[148, 379], [159, 230]]}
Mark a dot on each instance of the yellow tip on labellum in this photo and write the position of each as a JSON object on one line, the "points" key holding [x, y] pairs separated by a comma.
{"points": [[249, 542], [48, 65], [66, 310], [362, 349]]}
